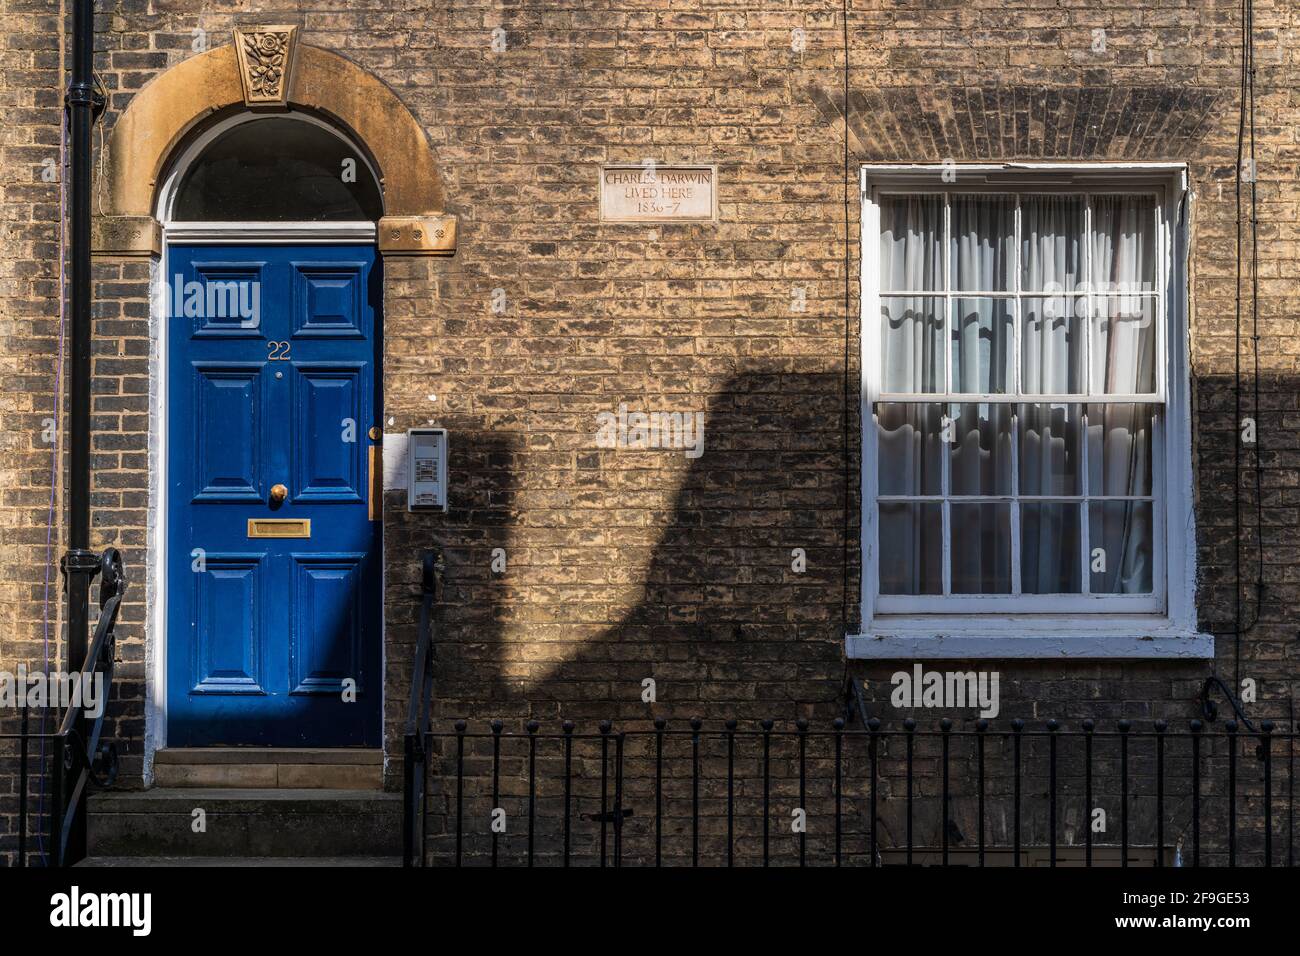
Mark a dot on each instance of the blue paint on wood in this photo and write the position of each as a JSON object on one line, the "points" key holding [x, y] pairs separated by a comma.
{"points": [[273, 357]]}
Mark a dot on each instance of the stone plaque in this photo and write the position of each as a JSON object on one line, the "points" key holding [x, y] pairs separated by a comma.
{"points": [[644, 193]]}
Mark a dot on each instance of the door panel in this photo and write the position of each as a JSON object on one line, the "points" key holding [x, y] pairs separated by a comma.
{"points": [[329, 435], [230, 601], [327, 297], [274, 610], [227, 432], [328, 609], [221, 298]]}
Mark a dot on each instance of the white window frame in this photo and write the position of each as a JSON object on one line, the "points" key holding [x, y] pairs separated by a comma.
{"points": [[1087, 626]]}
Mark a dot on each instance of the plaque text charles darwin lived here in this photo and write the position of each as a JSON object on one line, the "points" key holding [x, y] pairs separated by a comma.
{"points": [[646, 193]]}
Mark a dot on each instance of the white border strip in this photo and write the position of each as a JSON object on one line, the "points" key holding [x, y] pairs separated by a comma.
{"points": [[216, 233], [1171, 635], [245, 233], [1131, 644]]}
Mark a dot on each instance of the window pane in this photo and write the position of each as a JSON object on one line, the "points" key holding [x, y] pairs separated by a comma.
{"points": [[1051, 243], [1122, 530], [1123, 344], [983, 245], [913, 533], [1050, 436], [1123, 244], [1051, 345], [1119, 449], [911, 344], [981, 449], [1049, 548], [981, 548], [983, 347], [1018, 296], [910, 449], [911, 243], [276, 169]]}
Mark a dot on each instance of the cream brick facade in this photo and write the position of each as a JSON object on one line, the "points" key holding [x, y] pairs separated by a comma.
{"points": [[624, 565]]}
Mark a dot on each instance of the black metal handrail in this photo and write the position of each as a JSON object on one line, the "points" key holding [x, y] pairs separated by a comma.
{"points": [[79, 762], [415, 765], [1210, 709], [876, 794], [77, 753]]}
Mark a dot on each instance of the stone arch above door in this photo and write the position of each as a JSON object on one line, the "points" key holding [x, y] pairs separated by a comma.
{"points": [[289, 76]]}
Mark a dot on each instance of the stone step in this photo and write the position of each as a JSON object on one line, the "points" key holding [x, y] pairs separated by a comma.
{"points": [[242, 822], [279, 861], [268, 767]]}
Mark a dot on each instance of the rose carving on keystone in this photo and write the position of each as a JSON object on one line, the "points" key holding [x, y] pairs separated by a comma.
{"points": [[267, 52], [265, 60]]}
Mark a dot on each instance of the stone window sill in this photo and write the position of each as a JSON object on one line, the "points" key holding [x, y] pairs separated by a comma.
{"points": [[1028, 638]]}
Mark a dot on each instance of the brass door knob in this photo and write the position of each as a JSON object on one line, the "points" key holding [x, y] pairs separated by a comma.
{"points": [[278, 494]]}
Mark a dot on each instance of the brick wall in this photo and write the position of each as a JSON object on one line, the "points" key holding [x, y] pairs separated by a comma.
{"points": [[29, 331], [626, 565]]}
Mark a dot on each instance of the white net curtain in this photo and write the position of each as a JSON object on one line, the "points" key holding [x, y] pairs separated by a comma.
{"points": [[1049, 304]]}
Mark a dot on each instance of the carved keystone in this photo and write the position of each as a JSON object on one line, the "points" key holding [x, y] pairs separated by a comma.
{"points": [[266, 55]]}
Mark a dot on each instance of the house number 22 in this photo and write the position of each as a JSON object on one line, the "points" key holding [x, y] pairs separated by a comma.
{"points": [[277, 351]]}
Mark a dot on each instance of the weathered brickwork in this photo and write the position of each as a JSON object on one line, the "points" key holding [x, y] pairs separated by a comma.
{"points": [[625, 565], [29, 333]]}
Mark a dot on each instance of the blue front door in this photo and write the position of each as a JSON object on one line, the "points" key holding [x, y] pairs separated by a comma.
{"points": [[273, 541]]}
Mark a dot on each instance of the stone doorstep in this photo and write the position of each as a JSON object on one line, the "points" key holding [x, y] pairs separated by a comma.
{"points": [[257, 861], [342, 755], [245, 800], [244, 823], [273, 767]]}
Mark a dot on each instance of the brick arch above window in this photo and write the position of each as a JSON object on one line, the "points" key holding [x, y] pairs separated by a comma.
{"points": [[1025, 122], [180, 100]]}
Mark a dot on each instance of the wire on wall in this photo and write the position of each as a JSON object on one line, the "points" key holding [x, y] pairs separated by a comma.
{"points": [[1246, 143], [848, 322]]}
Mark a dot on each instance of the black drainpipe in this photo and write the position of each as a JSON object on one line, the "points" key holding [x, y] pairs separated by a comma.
{"points": [[79, 563]]}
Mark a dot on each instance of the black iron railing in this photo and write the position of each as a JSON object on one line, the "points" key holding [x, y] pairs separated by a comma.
{"points": [[77, 762], [1016, 794], [414, 754]]}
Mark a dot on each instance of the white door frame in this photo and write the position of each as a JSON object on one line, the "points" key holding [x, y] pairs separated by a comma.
{"points": [[216, 233]]}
